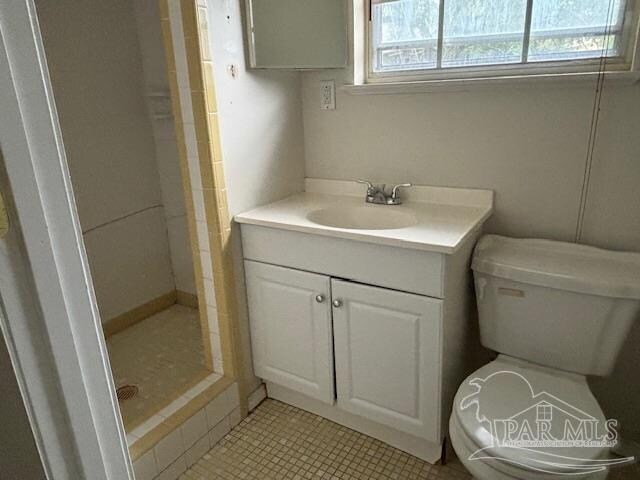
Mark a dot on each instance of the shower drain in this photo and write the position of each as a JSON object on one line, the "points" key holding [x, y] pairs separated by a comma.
{"points": [[126, 392]]}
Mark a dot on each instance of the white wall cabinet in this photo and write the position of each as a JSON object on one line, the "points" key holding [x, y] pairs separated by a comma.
{"points": [[297, 34], [386, 343], [387, 356], [291, 331]]}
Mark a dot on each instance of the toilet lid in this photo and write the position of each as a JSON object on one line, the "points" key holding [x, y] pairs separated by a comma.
{"points": [[531, 417]]}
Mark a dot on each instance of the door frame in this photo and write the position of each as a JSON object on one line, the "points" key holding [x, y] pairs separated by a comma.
{"points": [[48, 311]]}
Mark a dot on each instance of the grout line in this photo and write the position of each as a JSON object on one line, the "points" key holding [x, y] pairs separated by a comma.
{"points": [[121, 218]]}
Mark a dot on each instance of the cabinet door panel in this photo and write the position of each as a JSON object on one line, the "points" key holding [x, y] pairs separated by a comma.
{"points": [[387, 354], [291, 333], [297, 33]]}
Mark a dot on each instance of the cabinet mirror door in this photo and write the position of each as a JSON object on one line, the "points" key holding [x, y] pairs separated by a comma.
{"points": [[297, 34], [387, 354], [291, 333]]}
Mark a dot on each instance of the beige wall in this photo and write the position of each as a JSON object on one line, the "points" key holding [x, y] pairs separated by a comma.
{"points": [[261, 132], [97, 74], [528, 144]]}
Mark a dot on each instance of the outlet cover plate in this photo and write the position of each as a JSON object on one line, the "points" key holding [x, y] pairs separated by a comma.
{"points": [[328, 95]]}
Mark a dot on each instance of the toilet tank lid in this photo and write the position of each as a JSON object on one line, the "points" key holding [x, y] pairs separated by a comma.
{"points": [[560, 265]]}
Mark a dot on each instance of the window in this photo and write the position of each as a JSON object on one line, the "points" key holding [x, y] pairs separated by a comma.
{"points": [[444, 37]]}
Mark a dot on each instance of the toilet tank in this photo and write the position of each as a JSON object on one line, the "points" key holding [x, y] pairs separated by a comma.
{"points": [[557, 304]]}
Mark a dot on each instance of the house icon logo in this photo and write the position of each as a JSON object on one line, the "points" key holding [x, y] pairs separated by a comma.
{"points": [[542, 432]]}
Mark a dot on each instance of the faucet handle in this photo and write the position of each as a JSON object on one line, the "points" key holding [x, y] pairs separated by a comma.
{"points": [[396, 188], [369, 185]]}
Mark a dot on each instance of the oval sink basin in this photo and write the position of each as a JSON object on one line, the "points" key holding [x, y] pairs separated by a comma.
{"points": [[362, 218]]}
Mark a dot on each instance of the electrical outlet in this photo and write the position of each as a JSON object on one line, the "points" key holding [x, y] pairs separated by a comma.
{"points": [[328, 95]]}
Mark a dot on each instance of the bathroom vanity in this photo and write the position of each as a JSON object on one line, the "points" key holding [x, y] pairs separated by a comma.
{"points": [[362, 313]]}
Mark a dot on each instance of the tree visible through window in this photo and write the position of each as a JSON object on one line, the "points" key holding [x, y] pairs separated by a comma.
{"points": [[442, 34]]}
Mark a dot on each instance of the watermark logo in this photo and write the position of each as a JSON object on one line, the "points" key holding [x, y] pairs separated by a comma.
{"points": [[540, 431]]}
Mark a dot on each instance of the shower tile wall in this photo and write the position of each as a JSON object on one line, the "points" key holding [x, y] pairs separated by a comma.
{"points": [[193, 165], [123, 154], [109, 142], [159, 106], [129, 261]]}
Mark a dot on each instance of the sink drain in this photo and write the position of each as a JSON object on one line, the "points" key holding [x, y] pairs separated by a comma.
{"points": [[126, 392]]}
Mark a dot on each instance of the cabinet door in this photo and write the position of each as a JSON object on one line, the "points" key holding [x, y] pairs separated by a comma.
{"points": [[291, 333], [387, 354], [297, 33]]}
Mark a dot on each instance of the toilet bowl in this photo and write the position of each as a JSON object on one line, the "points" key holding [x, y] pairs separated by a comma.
{"points": [[505, 388], [554, 312]]}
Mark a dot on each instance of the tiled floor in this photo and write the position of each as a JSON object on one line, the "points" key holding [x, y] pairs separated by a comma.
{"points": [[281, 442], [162, 355]]}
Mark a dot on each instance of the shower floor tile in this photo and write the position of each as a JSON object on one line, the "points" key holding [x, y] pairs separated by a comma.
{"points": [[278, 441], [162, 355]]}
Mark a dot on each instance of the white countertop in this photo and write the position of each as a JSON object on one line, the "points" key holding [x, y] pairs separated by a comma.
{"points": [[444, 216]]}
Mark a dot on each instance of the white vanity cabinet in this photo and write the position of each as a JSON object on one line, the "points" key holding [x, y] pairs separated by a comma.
{"points": [[385, 345], [383, 357], [372, 329]]}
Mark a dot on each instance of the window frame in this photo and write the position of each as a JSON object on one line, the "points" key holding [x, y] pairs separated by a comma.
{"points": [[626, 62]]}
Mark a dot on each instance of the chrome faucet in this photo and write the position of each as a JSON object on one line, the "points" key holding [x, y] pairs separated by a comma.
{"points": [[378, 193]]}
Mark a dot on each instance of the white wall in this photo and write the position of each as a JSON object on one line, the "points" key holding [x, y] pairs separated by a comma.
{"points": [[261, 131], [97, 74], [528, 144], [612, 217], [260, 118]]}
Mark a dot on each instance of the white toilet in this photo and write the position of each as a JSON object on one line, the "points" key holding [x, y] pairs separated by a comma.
{"points": [[555, 312]]}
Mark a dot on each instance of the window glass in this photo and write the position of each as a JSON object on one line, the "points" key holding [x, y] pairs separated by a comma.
{"points": [[481, 32], [405, 34], [575, 29]]}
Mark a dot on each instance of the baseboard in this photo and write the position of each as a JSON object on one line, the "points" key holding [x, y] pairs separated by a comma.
{"points": [[257, 396], [187, 299], [418, 447], [125, 320]]}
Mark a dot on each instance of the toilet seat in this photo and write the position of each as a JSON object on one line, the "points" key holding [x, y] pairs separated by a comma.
{"points": [[509, 393]]}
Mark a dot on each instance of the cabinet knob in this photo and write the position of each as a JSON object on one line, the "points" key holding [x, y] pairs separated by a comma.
{"points": [[319, 298], [337, 303]]}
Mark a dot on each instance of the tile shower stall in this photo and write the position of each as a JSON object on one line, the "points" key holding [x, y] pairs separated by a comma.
{"points": [[357, 321], [128, 84]]}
